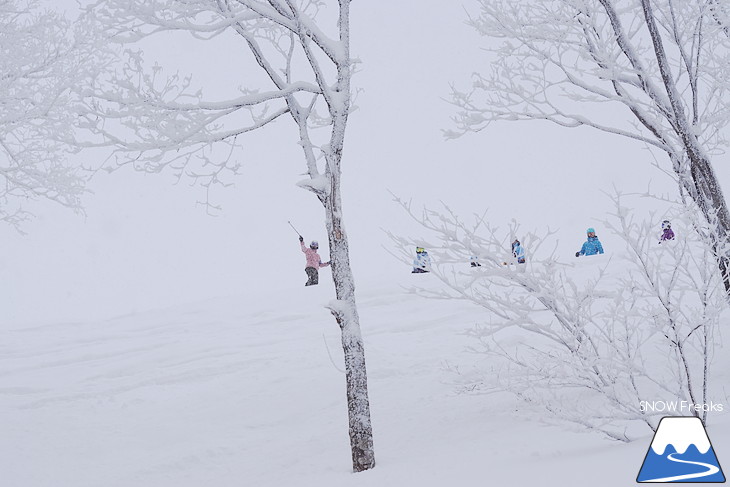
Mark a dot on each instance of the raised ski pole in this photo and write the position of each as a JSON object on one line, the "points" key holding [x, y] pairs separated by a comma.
{"points": [[292, 226]]}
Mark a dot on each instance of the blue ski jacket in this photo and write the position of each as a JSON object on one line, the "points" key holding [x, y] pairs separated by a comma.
{"points": [[592, 246], [519, 253]]}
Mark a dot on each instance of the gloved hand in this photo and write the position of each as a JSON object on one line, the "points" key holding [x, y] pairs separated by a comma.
{"points": [[577, 254], [301, 239]]}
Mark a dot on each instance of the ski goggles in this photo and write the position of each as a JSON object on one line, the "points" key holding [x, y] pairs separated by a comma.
{"points": [[420, 250]]}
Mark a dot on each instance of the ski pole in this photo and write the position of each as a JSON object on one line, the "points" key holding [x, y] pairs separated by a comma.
{"points": [[292, 226]]}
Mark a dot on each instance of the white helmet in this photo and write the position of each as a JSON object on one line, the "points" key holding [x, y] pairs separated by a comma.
{"points": [[666, 224], [314, 245]]}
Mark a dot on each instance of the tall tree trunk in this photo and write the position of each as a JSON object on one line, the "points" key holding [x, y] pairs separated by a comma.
{"points": [[712, 203], [704, 187], [345, 308], [345, 312]]}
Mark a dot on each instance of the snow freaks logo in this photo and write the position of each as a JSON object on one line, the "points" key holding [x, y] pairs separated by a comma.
{"points": [[680, 452], [681, 407]]}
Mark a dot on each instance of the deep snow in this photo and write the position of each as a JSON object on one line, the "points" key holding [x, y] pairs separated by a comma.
{"points": [[246, 390]]}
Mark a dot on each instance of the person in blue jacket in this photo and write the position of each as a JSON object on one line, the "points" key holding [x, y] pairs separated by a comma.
{"points": [[518, 252], [592, 245]]}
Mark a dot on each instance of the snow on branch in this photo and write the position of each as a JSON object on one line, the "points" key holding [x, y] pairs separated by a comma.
{"points": [[586, 342], [660, 62], [559, 55], [320, 185], [42, 56], [156, 120]]}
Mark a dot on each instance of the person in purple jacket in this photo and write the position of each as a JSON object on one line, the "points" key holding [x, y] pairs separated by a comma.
{"points": [[313, 262], [667, 233]]}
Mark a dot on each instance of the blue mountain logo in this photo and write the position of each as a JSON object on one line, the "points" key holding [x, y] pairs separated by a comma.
{"points": [[681, 452]]}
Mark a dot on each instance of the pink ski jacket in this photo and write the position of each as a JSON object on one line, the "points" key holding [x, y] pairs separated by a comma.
{"points": [[313, 259]]}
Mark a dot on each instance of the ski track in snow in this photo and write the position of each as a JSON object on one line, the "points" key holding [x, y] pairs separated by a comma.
{"points": [[236, 392]]}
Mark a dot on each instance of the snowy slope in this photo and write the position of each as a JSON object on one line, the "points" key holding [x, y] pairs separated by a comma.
{"points": [[242, 391], [239, 389]]}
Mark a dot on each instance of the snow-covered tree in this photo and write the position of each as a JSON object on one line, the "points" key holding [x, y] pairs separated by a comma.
{"points": [[156, 121], [41, 58], [662, 62], [589, 341]]}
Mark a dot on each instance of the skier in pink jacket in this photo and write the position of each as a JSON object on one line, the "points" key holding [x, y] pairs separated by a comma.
{"points": [[314, 262]]}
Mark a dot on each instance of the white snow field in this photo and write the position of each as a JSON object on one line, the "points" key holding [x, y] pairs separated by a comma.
{"points": [[241, 391]]}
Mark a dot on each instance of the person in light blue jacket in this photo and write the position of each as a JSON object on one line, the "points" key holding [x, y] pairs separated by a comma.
{"points": [[592, 245], [422, 262], [518, 252]]}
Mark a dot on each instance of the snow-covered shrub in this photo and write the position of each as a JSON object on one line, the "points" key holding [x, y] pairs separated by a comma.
{"points": [[589, 340]]}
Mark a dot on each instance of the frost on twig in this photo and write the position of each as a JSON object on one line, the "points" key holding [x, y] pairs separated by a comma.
{"points": [[587, 342], [156, 120], [662, 63], [42, 56]]}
